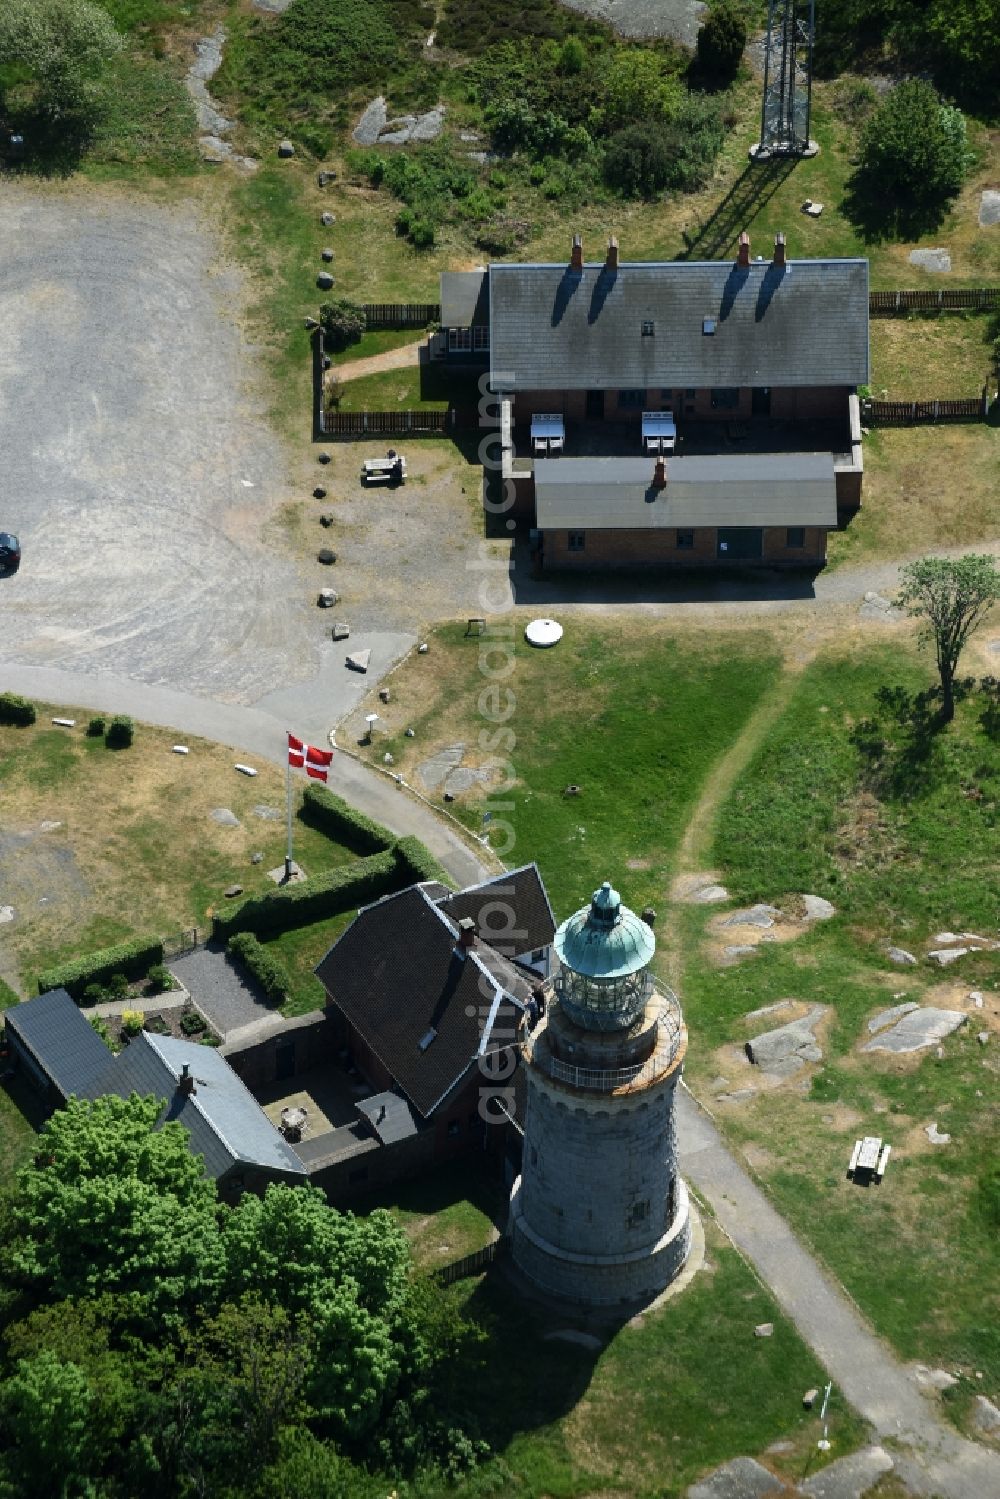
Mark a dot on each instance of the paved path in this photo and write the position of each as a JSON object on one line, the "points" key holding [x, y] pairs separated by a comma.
{"points": [[254, 732], [934, 1460], [392, 359]]}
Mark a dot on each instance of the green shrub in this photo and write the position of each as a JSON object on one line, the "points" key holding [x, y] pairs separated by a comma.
{"points": [[721, 40], [117, 986], [95, 728], [16, 710], [131, 958], [191, 1023], [854, 99], [263, 965], [637, 162], [416, 863], [343, 323], [913, 157], [160, 978], [315, 899], [330, 814], [100, 1026], [121, 732], [7, 996], [94, 994]]}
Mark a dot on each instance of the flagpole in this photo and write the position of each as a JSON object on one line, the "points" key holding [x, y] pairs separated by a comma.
{"points": [[288, 799]]}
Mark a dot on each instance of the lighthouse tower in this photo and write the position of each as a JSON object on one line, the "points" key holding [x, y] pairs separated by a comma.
{"points": [[599, 1214]]}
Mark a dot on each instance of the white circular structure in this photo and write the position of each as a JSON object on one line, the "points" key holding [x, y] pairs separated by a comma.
{"points": [[543, 632]]}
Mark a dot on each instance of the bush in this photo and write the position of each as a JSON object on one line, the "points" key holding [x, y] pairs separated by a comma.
{"points": [[854, 99], [132, 1022], [117, 986], [100, 1026], [121, 732], [16, 710], [130, 958], [95, 728], [637, 162], [416, 863], [160, 978], [330, 814], [343, 323], [913, 158], [262, 964], [192, 1023], [94, 995], [721, 40], [315, 899]]}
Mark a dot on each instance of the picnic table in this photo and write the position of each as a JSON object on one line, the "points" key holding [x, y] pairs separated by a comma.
{"points": [[548, 433], [392, 468], [869, 1159], [659, 432]]}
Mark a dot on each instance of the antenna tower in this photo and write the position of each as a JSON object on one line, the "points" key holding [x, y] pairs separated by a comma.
{"points": [[784, 116]]}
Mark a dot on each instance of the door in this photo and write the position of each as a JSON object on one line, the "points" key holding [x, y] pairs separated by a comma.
{"points": [[740, 544], [595, 405], [760, 401]]}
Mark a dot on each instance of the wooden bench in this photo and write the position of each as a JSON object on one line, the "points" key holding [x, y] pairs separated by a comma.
{"points": [[391, 468]]}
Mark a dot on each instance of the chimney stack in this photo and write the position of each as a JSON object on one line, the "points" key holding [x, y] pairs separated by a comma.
{"points": [[576, 258], [466, 934], [779, 250], [611, 263], [660, 474], [743, 256], [185, 1083]]}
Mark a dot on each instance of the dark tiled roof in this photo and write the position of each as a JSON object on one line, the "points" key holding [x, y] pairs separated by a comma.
{"points": [[512, 912], [389, 1116], [61, 1040], [553, 329], [464, 298], [222, 1117], [420, 1004]]}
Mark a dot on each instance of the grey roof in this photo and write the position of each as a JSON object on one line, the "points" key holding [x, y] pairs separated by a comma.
{"points": [[752, 489], [512, 911], [222, 1117], [61, 1040], [390, 1117], [555, 329], [464, 298]]}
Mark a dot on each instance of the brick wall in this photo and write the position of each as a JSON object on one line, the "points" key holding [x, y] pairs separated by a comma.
{"points": [[809, 403], [658, 548], [313, 1039]]}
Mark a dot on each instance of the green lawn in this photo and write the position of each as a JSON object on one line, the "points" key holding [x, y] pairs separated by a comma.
{"points": [[300, 950], [686, 1388], [632, 715]]}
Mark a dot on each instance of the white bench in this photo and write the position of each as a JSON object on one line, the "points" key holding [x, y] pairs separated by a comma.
{"points": [[393, 469]]}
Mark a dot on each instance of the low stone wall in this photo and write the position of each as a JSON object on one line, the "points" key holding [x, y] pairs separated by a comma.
{"points": [[296, 1045]]}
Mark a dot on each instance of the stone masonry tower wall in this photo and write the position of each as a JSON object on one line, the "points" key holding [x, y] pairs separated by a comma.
{"points": [[600, 1214]]}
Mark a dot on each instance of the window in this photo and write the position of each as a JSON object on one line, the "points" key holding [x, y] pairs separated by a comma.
{"points": [[708, 326], [454, 1127], [667, 397], [634, 399], [481, 337], [726, 398], [689, 395], [648, 328], [459, 340], [638, 1213], [795, 536], [685, 540], [576, 540]]}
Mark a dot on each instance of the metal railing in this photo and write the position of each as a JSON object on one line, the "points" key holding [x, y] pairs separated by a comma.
{"points": [[608, 1079], [602, 1081]]}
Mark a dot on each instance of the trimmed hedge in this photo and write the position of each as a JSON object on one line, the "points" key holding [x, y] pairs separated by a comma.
{"points": [[16, 710], [134, 959], [416, 862], [261, 964], [330, 814], [316, 899]]}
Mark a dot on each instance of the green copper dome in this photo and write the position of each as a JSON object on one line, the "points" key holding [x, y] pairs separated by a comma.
{"points": [[605, 940]]}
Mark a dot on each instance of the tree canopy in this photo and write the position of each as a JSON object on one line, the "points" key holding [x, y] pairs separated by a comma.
{"points": [[953, 597], [913, 158], [64, 45]]}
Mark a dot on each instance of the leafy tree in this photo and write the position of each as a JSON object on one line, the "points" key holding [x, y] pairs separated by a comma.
{"points": [[342, 322], [637, 86], [721, 40], [913, 156], [637, 161], [47, 1410], [110, 1203], [64, 45], [953, 597]]}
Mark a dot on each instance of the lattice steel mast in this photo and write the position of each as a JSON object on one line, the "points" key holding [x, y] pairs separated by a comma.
{"points": [[784, 116]]}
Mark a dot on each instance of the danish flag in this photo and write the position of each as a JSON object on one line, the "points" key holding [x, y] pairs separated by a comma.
{"points": [[314, 762]]}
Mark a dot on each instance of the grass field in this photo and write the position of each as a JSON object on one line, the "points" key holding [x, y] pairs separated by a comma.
{"points": [[106, 844], [663, 1401], [626, 713]]}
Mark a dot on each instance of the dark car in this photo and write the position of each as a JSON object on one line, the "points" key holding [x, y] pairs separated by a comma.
{"points": [[10, 550]]}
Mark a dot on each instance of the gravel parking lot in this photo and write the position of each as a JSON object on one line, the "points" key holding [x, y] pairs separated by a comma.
{"points": [[137, 469]]}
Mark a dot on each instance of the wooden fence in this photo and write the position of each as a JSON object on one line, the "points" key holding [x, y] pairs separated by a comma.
{"points": [[896, 303], [472, 1264], [385, 423], [402, 314], [888, 413]]}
